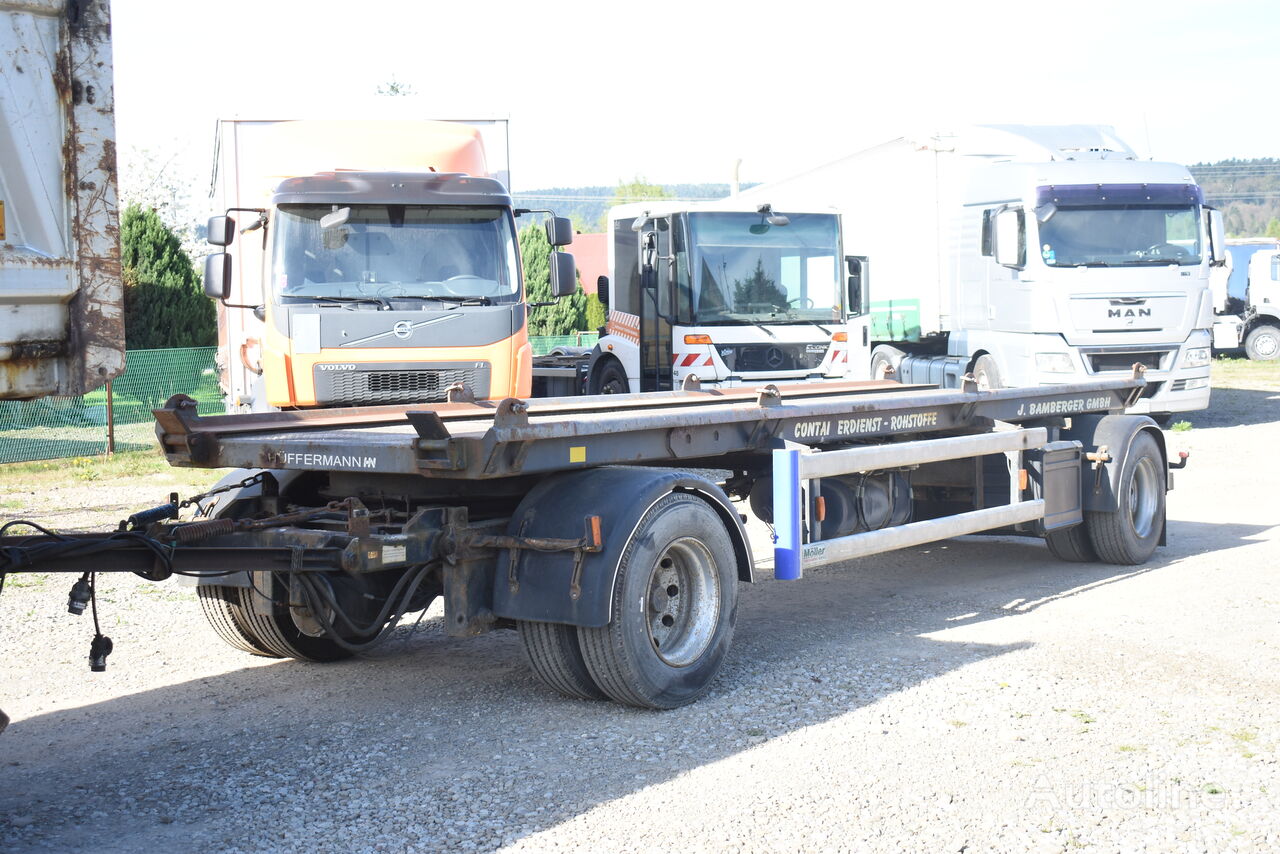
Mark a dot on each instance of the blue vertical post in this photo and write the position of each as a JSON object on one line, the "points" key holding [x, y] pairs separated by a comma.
{"points": [[786, 514]]}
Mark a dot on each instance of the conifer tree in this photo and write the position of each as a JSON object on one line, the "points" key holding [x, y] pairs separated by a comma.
{"points": [[568, 314], [164, 303]]}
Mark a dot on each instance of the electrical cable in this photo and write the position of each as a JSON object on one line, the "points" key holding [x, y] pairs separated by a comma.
{"points": [[385, 631]]}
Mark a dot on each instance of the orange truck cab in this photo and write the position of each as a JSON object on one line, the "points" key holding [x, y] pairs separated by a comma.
{"points": [[384, 287]]}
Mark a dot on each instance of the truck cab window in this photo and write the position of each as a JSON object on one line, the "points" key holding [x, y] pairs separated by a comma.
{"points": [[1120, 226], [749, 270], [390, 251]]}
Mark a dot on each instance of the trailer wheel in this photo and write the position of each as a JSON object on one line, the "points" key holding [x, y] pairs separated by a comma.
{"points": [[555, 656], [986, 373], [674, 603], [274, 634], [1071, 544], [1129, 534], [221, 606], [1263, 344], [610, 378]]}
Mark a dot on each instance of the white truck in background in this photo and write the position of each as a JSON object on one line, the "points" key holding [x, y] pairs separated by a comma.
{"points": [[728, 293], [61, 302], [1246, 299], [1028, 255]]}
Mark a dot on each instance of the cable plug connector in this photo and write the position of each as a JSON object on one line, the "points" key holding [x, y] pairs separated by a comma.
{"points": [[81, 593], [98, 652]]}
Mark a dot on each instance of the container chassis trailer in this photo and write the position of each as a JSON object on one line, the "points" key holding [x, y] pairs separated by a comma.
{"points": [[604, 529]]}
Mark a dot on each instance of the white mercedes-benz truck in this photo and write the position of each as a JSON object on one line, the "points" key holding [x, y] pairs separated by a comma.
{"points": [[725, 294], [1029, 255]]}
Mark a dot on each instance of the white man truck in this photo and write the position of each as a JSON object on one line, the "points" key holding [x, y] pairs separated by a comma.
{"points": [[726, 294], [1029, 255], [1246, 299], [61, 317]]}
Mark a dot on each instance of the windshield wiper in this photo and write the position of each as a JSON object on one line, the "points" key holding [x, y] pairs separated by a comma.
{"points": [[459, 300], [378, 301], [825, 330]]}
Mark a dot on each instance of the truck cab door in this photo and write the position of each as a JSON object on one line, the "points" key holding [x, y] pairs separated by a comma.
{"points": [[858, 317], [656, 306]]}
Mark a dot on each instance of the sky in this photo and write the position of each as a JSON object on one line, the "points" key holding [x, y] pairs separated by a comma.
{"points": [[602, 92]]}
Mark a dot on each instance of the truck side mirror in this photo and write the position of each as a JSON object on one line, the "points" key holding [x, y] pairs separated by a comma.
{"points": [[217, 275], [563, 279], [859, 295], [648, 254], [602, 291], [559, 231], [222, 230], [1010, 235], [1217, 239]]}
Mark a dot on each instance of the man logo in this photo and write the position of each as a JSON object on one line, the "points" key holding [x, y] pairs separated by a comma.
{"points": [[403, 329]]}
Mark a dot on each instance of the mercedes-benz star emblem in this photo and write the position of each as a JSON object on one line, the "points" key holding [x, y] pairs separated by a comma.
{"points": [[773, 358], [402, 329]]}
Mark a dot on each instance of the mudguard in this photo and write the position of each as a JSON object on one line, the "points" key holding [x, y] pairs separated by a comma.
{"points": [[1116, 433], [536, 586]]}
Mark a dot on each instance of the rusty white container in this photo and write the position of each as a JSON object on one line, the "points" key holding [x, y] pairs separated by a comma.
{"points": [[61, 294]]}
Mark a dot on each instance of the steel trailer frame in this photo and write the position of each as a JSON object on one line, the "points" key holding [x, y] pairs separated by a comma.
{"points": [[525, 512]]}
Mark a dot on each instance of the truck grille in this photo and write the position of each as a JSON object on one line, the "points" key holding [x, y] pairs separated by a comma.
{"points": [[766, 358], [1099, 362], [377, 385]]}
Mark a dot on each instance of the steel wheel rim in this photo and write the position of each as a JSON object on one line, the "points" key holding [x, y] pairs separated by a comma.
{"points": [[682, 607], [1143, 497], [1266, 345]]}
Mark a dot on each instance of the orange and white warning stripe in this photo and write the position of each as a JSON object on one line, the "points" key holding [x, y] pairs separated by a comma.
{"points": [[688, 360], [625, 326]]}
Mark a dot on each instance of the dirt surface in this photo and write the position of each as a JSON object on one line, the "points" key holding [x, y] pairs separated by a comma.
{"points": [[971, 695]]}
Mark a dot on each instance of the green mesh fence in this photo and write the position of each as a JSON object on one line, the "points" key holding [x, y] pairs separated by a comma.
{"points": [[58, 427], [544, 344]]}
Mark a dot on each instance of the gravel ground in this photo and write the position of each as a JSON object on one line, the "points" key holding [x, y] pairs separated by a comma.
{"points": [[972, 695]]}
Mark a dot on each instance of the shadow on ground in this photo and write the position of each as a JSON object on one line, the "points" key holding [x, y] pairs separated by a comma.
{"points": [[1232, 407], [215, 763]]}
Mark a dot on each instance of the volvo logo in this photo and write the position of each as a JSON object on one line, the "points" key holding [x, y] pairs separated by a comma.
{"points": [[403, 329], [347, 367], [773, 358]]}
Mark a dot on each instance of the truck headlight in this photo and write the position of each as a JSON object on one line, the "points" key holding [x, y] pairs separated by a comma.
{"points": [[1055, 363], [1196, 357]]}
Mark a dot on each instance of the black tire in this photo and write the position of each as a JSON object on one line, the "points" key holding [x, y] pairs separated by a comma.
{"points": [[555, 657], [1262, 344], [221, 606], [1071, 544], [675, 601], [277, 633], [987, 373], [609, 378], [1129, 534]]}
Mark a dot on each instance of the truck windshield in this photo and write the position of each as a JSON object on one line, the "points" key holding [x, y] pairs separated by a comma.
{"points": [[746, 270], [394, 251], [1102, 226]]}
